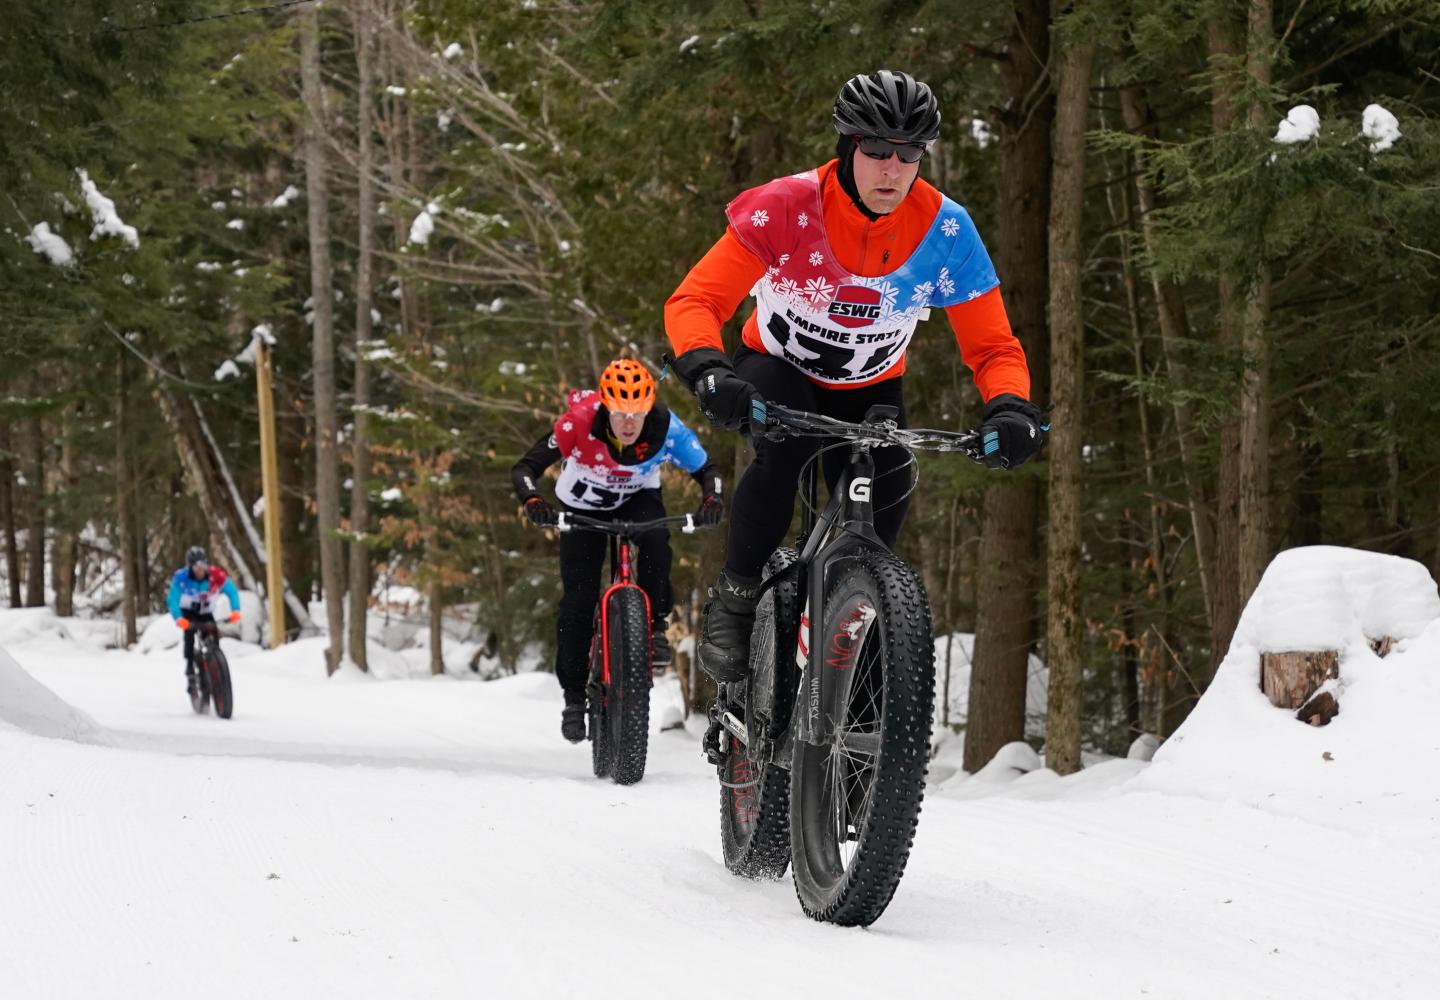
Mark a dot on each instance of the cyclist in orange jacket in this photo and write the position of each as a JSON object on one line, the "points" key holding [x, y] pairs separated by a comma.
{"points": [[843, 261]]}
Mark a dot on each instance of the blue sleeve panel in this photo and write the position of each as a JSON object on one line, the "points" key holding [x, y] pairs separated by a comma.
{"points": [[229, 591], [172, 600], [683, 447]]}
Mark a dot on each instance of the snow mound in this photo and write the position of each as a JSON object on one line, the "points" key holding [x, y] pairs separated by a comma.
{"points": [[1378, 762], [23, 626], [28, 705], [161, 633]]}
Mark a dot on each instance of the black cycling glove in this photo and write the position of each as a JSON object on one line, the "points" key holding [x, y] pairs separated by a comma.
{"points": [[541, 513], [726, 398], [1011, 431]]}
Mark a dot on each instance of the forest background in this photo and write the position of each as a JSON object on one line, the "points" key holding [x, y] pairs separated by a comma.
{"points": [[446, 213]]}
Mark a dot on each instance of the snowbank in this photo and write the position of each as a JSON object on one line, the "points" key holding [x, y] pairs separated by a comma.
{"points": [[1378, 762], [28, 705]]}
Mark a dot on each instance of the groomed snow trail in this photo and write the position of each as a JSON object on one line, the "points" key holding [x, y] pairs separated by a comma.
{"points": [[356, 838]]}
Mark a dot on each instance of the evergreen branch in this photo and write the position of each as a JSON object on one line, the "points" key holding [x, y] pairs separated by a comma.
{"points": [[222, 16]]}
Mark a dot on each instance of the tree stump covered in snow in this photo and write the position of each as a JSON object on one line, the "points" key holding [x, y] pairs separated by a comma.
{"points": [[1291, 680]]}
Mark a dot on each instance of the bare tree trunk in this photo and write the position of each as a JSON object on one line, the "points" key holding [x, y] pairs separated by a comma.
{"points": [[296, 528], [327, 472], [1065, 630], [1170, 308], [1255, 385], [1009, 546], [64, 550], [364, 296], [437, 632], [7, 514], [1226, 602], [124, 496], [34, 512]]}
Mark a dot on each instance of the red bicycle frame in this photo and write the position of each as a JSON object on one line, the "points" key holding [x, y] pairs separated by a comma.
{"points": [[621, 558]]}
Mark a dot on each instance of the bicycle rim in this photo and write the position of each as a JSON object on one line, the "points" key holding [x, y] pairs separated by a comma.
{"points": [[855, 800]]}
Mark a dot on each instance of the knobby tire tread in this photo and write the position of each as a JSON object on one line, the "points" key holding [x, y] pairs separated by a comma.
{"points": [[628, 701], [220, 688], [755, 821], [862, 893], [601, 756]]}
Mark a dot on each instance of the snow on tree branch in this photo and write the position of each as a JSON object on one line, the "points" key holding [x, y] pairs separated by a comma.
{"points": [[102, 211]]}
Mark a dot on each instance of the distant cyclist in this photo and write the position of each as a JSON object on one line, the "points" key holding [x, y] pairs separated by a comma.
{"points": [[612, 444], [192, 592]]}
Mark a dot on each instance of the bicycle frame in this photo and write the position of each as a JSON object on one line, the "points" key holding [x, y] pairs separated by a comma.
{"points": [[845, 526], [621, 547]]}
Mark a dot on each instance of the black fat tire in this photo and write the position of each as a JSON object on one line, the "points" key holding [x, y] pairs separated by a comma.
{"points": [[200, 699], [601, 757], [898, 651], [755, 807], [628, 700], [220, 688]]}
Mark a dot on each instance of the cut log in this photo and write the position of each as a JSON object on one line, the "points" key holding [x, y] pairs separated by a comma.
{"points": [[1382, 646], [1290, 679]]}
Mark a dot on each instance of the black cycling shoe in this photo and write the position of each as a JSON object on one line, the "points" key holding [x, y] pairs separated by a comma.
{"points": [[572, 722], [724, 646], [661, 652], [192, 680]]}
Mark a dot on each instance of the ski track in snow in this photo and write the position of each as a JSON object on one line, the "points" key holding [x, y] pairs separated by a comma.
{"points": [[438, 839]]}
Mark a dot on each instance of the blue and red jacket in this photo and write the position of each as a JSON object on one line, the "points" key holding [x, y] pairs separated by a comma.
{"points": [[190, 597], [598, 473]]}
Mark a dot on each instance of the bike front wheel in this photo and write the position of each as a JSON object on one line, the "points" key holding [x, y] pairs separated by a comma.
{"points": [[855, 801], [627, 698], [220, 689]]}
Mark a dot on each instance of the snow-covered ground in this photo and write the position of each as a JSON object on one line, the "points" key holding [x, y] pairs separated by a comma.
{"points": [[353, 837]]}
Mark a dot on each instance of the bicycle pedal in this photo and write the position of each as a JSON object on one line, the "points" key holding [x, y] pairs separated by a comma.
{"points": [[710, 745]]}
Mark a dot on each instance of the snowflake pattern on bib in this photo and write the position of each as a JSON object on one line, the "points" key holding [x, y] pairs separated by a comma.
{"points": [[837, 327], [591, 478]]}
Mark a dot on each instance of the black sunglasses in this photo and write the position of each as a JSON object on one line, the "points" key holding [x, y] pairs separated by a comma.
{"points": [[880, 149]]}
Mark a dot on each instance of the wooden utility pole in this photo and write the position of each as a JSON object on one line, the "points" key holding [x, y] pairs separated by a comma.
{"points": [[270, 484]]}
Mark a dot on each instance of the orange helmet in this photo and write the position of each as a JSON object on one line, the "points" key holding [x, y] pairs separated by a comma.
{"points": [[626, 387]]}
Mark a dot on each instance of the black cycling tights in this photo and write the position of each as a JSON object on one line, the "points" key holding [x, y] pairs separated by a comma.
{"points": [[582, 555], [765, 498]]}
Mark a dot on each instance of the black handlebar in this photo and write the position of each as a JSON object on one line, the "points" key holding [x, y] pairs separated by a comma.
{"points": [[579, 522], [879, 427]]}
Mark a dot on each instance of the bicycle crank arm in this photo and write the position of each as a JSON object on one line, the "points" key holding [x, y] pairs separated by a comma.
{"points": [[735, 727]]}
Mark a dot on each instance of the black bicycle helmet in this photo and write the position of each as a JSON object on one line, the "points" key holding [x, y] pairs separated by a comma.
{"points": [[888, 104], [195, 554]]}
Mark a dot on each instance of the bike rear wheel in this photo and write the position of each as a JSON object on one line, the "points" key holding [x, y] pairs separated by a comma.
{"points": [[220, 689], [855, 801], [627, 701], [601, 753], [755, 796], [200, 697]]}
